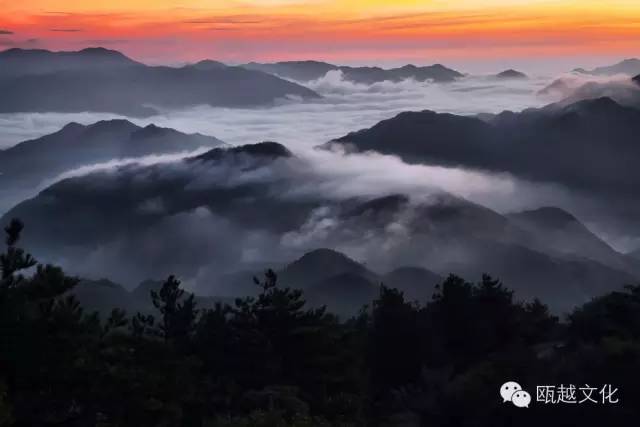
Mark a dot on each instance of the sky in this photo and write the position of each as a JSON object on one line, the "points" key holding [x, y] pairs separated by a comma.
{"points": [[471, 34]]}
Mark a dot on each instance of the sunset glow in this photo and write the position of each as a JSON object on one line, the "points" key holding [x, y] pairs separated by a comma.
{"points": [[341, 31]]}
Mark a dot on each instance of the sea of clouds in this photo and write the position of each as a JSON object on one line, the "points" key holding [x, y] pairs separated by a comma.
{"points": [[346, 107]]}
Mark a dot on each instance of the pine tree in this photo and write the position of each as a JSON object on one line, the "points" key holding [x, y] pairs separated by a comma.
{"points": [[178, 313]]}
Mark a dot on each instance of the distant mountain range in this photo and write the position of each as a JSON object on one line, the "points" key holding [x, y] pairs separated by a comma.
{"points": [[38, 62], [29, 164], [344, 289], [304, 71], [547, 144], [198, 218], [630, 67], [104, 80]]}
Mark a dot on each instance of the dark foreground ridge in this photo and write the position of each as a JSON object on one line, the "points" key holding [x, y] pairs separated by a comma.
{"points": [[270, 360]]}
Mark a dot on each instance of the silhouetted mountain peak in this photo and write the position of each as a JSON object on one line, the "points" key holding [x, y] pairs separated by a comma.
{"points": [[152, 131], [104, 52], [307, 62], [268, 150], [321, 264], [602, 105], [511, 74], [209, 64], [112, 125], [636, 79], [325, 254], [30, 163], [72, 127]]}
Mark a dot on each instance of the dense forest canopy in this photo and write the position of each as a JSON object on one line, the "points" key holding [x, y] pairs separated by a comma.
{"points": [[270, 360]]}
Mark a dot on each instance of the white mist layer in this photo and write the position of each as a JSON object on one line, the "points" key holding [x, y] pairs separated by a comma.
{"points": [[345, 107]]}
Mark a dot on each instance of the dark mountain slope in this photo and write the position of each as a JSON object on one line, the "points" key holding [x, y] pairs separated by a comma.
{"points": [[558, 232], [543, 144], [320, 265], [225, 211], [28, 164]]}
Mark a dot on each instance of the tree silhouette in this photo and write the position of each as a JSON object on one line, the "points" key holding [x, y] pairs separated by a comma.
{"points": [[271, 360], [178, 313]]}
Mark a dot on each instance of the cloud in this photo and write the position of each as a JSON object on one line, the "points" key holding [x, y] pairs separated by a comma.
{"points": [[104, 42], [577, 86], [66, 30], [232, 214], [232, 20], [347, 107], [6, 32], [12, 42]]}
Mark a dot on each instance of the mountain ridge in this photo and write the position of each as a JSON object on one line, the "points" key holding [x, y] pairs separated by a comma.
{"points": [[26, 165], [241, 202], [306, 71], [587, 127], [102, 80]]}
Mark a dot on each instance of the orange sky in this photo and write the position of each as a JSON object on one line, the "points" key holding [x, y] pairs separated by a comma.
{"points": [[356, 31]]}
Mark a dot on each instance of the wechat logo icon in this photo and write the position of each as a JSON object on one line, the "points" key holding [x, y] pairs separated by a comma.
{"points": [[512, 392]]}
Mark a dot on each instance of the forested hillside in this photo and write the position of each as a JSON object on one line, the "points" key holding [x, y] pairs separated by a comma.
{"points": [[269, 360]]}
